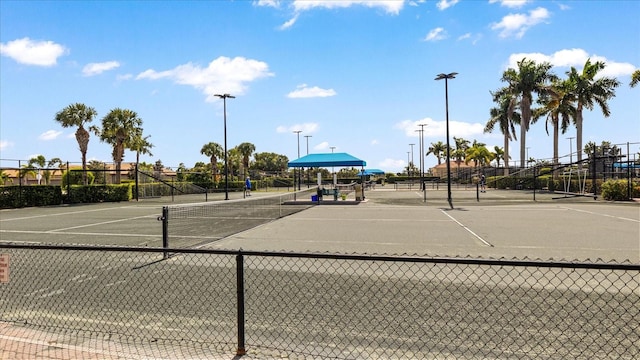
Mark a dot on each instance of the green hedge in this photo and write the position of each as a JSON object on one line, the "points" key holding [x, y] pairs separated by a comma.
{"points": [[99, 193], [617, 190], [26, 196]]}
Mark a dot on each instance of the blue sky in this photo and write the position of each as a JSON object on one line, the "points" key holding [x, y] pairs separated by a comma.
{"points": [[354, 75]]}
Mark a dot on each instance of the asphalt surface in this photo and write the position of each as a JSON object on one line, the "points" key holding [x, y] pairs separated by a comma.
{"points": [[134, 306]]}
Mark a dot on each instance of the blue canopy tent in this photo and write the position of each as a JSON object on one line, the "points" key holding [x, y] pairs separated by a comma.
{"points": [[367, 172], [327, 160]]}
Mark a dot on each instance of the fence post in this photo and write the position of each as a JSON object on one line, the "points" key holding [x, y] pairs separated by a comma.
{"points": [[165, 230], [240, 300]]}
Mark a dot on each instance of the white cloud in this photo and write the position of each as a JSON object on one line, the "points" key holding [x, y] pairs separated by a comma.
{"points": [[303, 91], [438, 129], [50, 135], [267, 3], [322, 146], [567, 58], [436, 34], [306, 128], [517, 24], [222, 75], [289, 23], [510, 3], [124, 77], [389, 6], [465, 36], [33, 52], [92, 69], [444, 4], [375, 142], [5, 144], [393, 164]]}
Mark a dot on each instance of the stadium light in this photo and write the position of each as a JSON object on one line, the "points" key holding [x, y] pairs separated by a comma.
{"points": [[226, 163], [446, 78], [297, 132]]}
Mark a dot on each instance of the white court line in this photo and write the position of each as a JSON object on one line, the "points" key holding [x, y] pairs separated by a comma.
{"points": [[70, 213], [604, 215], [102, 223], [466, 228], [58, 345], [67, 233]]}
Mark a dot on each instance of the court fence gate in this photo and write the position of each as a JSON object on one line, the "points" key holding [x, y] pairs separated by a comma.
{"points": [[132, 302]]}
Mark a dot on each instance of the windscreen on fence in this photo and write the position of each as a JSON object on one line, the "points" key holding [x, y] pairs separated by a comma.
{"points": [[197, 223]]}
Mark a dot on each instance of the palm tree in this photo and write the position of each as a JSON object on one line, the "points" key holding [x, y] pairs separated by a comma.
{"points": [[635, 78], [246, 150], [559, 107], [498, 154], [140, 145], [478, 153], [4, 177], [589, 91], [77, 115], [503, 116], [213, 151], [119, 129], [437, 149], [235, 160], [530, 78], [47, 174], [460, 151]]}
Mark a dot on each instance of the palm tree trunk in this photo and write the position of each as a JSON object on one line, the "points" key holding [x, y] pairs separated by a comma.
{"points": [[555, 146], [506, 154], [579, 135]]}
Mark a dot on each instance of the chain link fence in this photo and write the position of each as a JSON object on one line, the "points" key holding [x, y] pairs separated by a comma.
{"points": [[199, 303]]}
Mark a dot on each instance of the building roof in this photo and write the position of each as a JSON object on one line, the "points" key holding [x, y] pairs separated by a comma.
{"points": [[327, 160]]}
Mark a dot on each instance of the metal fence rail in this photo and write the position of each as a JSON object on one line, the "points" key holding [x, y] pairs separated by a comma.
{"points": [[318, 306]]}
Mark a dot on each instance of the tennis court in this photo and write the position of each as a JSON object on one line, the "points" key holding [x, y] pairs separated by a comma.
{"points": [[166, 298], [500, 224]]}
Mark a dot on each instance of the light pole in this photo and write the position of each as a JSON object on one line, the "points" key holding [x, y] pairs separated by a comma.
{"points": [[412, 163], [446, 78], [571, 149], [408, 164], [308, 170], [226, 163], [527, 156], [422, 162], [297, 132]]}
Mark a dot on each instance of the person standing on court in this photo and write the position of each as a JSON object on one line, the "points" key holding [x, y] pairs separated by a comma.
{"points": [[247, 187], [483, 183]]}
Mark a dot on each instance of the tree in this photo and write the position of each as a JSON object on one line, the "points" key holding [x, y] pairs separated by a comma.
{"points": [[140, 145], [4, 177], [438, 149], [479, 154], [213, 151], [246, 150], [498, 154], [78, 115], [272, 162], [506, 118], [119, 129], [235, 160], [589, 91], [558, 104], [530, 78], [459, 152], [635, 78]]}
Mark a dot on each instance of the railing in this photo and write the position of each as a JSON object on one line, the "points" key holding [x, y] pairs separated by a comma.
{"points": [[203, 302]]}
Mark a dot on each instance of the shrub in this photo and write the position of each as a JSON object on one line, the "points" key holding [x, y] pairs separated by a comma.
{"points": [[616, 190], [25, 196]]}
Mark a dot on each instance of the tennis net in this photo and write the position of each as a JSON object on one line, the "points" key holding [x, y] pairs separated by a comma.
{"points": [[188, 225]]}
